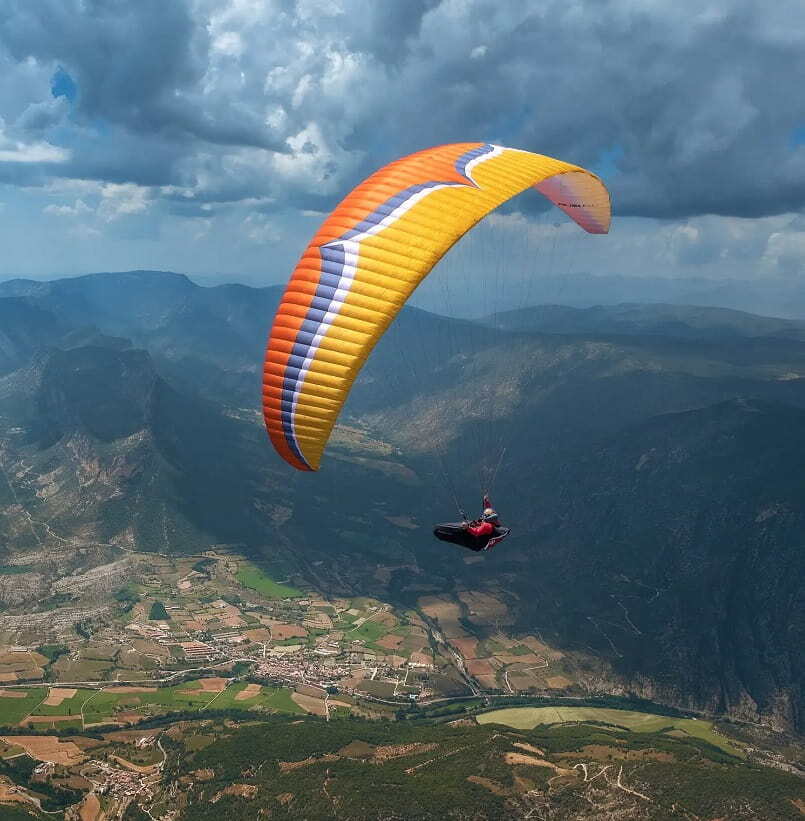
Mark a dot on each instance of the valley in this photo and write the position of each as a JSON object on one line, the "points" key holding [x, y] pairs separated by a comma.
{"points": [[190, 648], [141, 652], [166, 585]]}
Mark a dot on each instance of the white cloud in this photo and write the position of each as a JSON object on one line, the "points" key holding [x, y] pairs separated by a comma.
{"points": [[229, 43], [79, 208], [316, 162], [19, 151], [33, 153], [785, 253], [119, 200], [260, 230]]}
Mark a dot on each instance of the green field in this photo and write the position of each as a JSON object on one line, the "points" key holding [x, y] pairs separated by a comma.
{"points": [[526, 718], [100, 706], [190, 695], [186, 696], [255, 579], [369, 631], [14, 710], [269, 698], [15, 569], [68, 707]]}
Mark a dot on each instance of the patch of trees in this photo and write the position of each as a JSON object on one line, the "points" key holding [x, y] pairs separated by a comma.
{"points": [[158, 612], [52, 651], [127, 597]]}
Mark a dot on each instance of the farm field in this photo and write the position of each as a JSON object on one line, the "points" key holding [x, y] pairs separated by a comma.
{"points": [[526, 718], [105, 706], [13, 708], [254, 578], [369, 631]]}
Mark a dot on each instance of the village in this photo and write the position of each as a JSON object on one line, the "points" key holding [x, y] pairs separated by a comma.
{"points": [[216, 637], [217, 631]]}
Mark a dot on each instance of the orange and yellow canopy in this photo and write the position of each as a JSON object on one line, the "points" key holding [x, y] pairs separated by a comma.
{"points": [[368, 257]]}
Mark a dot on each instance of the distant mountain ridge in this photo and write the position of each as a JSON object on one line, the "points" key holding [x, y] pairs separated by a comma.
{"points": [[684, 321]]}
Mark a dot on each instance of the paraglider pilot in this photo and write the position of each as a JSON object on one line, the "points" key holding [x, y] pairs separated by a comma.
{"points": [[482, 533], [483, 528]]}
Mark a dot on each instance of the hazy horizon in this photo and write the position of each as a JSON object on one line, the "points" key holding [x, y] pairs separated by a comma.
{"points": [[452, 293]]}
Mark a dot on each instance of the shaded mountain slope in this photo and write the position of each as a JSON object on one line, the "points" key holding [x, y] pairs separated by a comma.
{"points": [[676, 549], [97, 445], [110, 452], [24, 329]]}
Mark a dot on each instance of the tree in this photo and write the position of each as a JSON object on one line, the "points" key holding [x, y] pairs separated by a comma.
{"points": [[158, 612]]}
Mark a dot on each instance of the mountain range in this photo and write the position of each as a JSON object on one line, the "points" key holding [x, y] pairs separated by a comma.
{"points": [[646, 456]]}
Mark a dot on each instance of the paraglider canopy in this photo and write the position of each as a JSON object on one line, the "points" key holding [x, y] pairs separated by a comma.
{"points": [[368, 257]]}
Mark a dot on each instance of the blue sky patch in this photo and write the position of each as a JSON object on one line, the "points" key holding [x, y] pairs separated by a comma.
{"points": [[607, 164], [63, 85]]}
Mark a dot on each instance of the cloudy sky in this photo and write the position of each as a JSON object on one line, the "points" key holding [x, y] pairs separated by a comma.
{"points": [[210, 136]]}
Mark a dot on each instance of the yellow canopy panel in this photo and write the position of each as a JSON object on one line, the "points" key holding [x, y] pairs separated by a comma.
{"points": [[369, 256]]}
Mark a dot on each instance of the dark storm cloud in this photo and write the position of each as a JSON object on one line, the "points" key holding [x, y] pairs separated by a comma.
{"points": [[687, 109], [137, 65], [385, 29], [700, 109]]}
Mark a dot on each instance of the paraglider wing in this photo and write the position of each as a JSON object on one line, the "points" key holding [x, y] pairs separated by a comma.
{"points": [[368, 257]]}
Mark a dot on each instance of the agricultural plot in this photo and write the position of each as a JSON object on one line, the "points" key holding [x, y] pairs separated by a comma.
{"points": [[369, 631], [446, 612], [242, 696], [413, 644], [484, 608], [49, 748], [14, 708], [62, 702], [310, 704], [526, 718], [254, 578], [378, 689], [389, 642], [102, 706], [21, 666], [194, 695]]}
